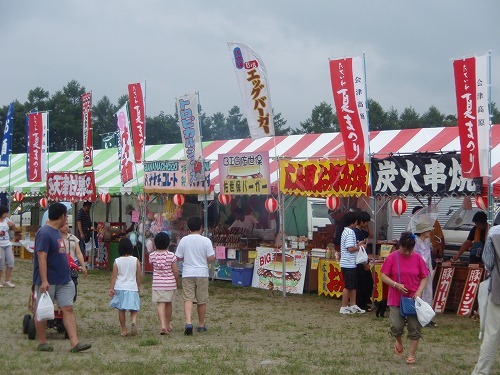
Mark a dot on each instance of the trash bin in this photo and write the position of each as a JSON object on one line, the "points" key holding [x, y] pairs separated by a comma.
{"points": [[242, 275]]}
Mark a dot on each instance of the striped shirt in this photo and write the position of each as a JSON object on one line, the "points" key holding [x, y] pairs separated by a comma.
{"points": [[347, 259], [163, 276]]}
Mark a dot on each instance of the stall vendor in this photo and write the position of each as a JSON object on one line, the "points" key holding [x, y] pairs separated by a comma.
{"points": [[475, 240], [248, 222]]}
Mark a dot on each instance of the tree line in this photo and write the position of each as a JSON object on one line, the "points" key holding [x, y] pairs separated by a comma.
{"points": [[65, 116]]}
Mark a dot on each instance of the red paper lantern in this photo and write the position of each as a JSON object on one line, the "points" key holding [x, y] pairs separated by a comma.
{"points": [[399, 206], [224, 198], [143, 197], [105, 197], [18, 196], [271, 204], [179, 199], [482, 202], [332, 202], [44, 203]]}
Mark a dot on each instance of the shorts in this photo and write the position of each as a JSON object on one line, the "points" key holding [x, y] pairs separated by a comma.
{"points": [[6, 257], [63, 294], [195, 289], [350, 278], [163, 295], [398, 324]]}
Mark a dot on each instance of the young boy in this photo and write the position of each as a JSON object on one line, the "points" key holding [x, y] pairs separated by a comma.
{"points": [[165, 280]]}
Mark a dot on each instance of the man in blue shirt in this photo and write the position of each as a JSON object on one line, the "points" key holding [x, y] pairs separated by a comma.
{"points": [[51, 273]]}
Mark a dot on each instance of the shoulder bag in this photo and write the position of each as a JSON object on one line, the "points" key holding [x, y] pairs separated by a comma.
{"points": [[407, 304]]}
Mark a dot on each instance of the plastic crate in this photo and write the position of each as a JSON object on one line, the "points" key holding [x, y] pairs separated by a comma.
{"points": [[242, 276]]}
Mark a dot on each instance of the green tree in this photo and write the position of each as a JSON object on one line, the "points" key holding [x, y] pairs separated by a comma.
{"points": [[409, 119], [37, 98], [322, 120], [450, 120], [377, 115], [280, 127], [495, 113], [433, 118], [392, 121], [103, 119], [236, 125], [162, 129]]}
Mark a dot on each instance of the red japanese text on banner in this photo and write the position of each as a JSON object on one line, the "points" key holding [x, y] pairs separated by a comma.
{"points": [[88, 148], [189, 123], [254, 88], [470, 291], [348, 85], [37, 146], [245, 173], [443, 289], [471, 89], [71, 186], [137, 119], [125, 156], [323, 178]]}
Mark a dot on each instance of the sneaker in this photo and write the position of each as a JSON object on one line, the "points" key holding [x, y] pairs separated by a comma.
{"points": [[188, 329], [356, 310], [201, 329], [8, 284], [345, 310]]}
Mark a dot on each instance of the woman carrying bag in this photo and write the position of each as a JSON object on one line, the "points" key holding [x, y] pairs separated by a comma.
{"points": [[406, 274]]}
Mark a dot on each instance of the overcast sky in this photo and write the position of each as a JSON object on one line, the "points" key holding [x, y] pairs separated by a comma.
{"points": [[180, 47]]}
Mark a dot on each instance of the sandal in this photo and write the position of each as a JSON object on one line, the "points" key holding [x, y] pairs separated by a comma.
{"points": [[45, 347], [411, 360], [164, 331], [397, 350], [80, 347]]}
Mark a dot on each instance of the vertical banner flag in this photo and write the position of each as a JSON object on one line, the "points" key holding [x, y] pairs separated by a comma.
{"points": [[7, 137], [88, 148], [473, 117], [254, 88], [125, 157], [137, 118], [348, 85], [36, 165], [187, 107]]}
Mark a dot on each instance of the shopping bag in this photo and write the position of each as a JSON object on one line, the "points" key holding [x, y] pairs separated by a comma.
{"points": [[407, 306], [45, 308], [425, 313], [361, 256]]}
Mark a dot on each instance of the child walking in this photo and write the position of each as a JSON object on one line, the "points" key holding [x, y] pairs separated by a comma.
{"points": [[165, 280], [124, 287]]}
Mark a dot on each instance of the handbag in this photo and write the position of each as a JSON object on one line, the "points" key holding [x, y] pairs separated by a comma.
{"points": [[361, 256], [406, 304], [425, 313], [45, 308]]}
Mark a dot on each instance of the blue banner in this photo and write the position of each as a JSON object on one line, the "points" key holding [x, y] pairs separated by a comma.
{"points": [[7, 137]]}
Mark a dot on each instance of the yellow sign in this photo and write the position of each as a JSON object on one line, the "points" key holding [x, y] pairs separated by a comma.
{"points": [[314, 263], [252, 254], [385, 250], [247, 186], [323, 178]]}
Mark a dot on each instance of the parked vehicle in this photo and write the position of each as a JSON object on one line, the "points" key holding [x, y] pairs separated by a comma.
{"points": [[317, 215]]}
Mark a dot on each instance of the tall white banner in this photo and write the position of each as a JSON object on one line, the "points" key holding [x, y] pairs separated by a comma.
{"points": [[125, 153], [189, 123], [254, 88]]}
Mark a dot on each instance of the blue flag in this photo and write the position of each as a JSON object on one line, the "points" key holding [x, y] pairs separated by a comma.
{"points": [[7, 137]]}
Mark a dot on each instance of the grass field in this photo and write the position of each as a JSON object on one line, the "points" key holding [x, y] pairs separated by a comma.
{"points": [[249, 332]]}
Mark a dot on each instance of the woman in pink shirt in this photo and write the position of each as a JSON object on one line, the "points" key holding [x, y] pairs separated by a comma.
{"points": [[406, 274]]}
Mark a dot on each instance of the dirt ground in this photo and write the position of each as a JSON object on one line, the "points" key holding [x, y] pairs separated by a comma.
{"points": [[249, 332]]}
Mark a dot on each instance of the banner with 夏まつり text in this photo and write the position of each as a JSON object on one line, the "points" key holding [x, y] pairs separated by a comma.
{"points": [[323, 178], [137, 119], [125, 157], [37, 129]]}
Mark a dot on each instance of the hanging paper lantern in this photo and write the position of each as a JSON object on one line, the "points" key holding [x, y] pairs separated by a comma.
{"points": [[143, 197], [224, 198], [332, 202], [482, 202], [399, 206], [44, 203], [271, 204], [105, 197], [18, 196], [179, 199]]}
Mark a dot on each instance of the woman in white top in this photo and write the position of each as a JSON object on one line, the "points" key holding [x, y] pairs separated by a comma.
{"points": [[71, 243], [6, 254]]}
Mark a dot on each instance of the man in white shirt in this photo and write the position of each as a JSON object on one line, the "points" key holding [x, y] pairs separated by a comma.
{"points": [[248, 222]]}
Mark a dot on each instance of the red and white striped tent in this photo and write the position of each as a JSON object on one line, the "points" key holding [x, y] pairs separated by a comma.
{"points": [[330, 146]]}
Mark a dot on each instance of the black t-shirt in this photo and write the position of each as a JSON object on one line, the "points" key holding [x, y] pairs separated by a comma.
{"points": [[84, 218], [472, 234]]}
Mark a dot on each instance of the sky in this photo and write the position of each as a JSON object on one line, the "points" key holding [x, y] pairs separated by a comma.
{"points": [[179, 47]]}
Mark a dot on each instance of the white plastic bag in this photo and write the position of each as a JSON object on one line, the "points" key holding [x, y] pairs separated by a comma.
{"points": [[425, 313], [361, 256], [45, 308]]}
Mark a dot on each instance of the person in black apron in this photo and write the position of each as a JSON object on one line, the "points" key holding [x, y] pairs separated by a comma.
{"points": [[476, 239]]}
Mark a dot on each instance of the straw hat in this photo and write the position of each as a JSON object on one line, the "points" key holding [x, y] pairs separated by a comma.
{"points": [[423, 227]]}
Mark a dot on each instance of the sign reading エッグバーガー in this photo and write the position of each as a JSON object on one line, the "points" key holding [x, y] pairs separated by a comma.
{"points": [[172, 177], [245, 173]]}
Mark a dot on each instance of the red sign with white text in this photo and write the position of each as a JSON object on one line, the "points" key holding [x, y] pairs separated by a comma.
{"points": [[88, 148], [470, 291], [37, 146], [71, 186], [124, 145], [137, 119], [443, 289]]}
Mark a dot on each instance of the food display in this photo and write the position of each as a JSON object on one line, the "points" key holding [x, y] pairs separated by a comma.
{"points": [[227, 237]]}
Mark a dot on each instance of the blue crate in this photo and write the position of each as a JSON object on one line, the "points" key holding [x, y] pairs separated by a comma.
{"points": [[242, 276]]}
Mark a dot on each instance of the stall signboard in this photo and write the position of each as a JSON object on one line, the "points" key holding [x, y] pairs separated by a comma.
{"points": [[470, 291], [268, 269], [422, 174], [170, 177], [245, 173], [443, 289], [378, 285], [323, 178], [71, 186]]}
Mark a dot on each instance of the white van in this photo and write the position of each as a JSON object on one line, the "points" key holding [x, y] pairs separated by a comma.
{"points": [[317, 215]]}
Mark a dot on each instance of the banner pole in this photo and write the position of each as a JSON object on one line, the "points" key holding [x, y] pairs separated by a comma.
{"points": [[205, 202], [490, 120], [143, 204]]}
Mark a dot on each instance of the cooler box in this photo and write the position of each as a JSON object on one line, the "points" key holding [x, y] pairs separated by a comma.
{"points": [[242, 276]]}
